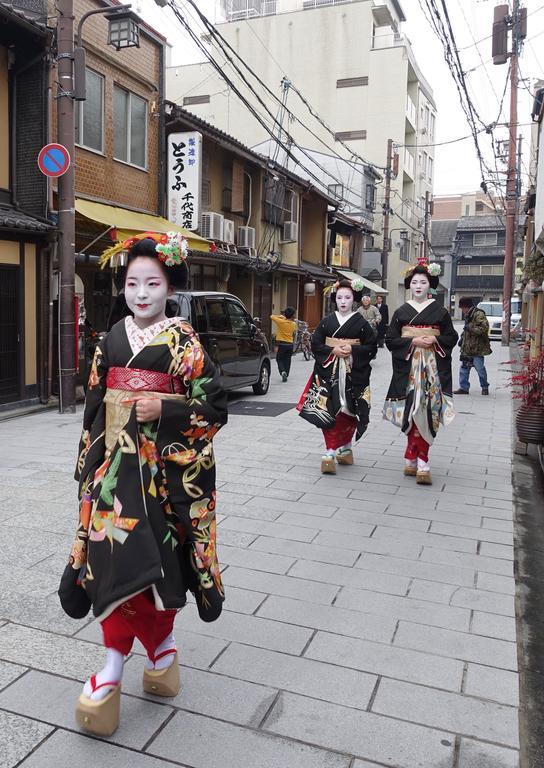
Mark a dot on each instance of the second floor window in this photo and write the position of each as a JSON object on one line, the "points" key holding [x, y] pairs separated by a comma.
{"points": [[90, 114], [484, 238], [130, 127]]}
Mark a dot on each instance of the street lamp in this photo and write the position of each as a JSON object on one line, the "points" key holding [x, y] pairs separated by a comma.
{"points": [[124, 30]]}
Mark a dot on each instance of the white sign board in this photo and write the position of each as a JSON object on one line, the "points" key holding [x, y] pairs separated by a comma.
{"points": [[184, 178]]}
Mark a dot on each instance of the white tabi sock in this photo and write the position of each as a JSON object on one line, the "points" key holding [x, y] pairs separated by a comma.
{"points": [[168, 644], [330, 453], [423, 466], [411, 463], [344, 449], [111, 673]]}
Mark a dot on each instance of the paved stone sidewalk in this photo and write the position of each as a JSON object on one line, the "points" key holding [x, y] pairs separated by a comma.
{"points": [[369, 622]]}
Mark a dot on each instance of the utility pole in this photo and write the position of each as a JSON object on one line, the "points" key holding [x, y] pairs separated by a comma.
{"points": [[517, 22], [386, 211], [66, 208], [428, 213]]}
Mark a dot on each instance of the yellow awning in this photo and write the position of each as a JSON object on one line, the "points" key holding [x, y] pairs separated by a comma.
{"points": [[127, 223]]}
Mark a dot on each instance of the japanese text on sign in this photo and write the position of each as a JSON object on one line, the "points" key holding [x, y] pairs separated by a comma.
{"points": [[184, 178]]}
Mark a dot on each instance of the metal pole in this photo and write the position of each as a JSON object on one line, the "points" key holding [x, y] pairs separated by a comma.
{"points": [[511, 181], [426, 229], [386, 210], [66, 208]]}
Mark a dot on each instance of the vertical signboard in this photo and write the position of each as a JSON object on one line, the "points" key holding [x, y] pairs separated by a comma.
{"points": [[185, 178]]}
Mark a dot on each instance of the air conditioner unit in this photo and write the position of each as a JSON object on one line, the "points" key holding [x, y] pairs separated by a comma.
{"points": [[212, 226], [246, 237], [228, 231], [290, 232]]}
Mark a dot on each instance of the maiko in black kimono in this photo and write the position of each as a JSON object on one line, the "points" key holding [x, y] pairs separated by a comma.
{"points": [[420, 393], [147, 490], [337, 397]]}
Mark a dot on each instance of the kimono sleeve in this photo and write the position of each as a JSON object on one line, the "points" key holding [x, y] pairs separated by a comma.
{"points": [[367, 349], [399, 347], [93, 414], [448, 337], [319, 348]]}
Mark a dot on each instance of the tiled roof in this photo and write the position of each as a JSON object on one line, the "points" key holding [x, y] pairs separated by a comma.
{"points": [[481, 223], [442, 232], [10, 218], [26, 16]]}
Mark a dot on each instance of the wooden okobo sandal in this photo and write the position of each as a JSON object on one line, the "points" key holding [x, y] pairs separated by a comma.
{"points": [[100, 717], [345, 457], [328, 466], [163, 682]]}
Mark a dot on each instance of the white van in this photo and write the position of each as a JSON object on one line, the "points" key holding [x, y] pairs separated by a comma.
{"points": [[493, 312]]}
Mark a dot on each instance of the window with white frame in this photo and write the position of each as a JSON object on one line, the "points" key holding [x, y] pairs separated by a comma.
{"points": [[130, 127], [90, 114], [484, 238], [432, 126], [430, 163]]}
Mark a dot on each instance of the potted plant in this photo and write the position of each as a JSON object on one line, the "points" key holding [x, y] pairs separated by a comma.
{"points": [[528, 385]]}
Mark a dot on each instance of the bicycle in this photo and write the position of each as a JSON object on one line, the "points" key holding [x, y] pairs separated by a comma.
{"points": [[303, 340]]}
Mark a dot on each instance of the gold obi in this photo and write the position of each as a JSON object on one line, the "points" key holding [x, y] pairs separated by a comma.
{"points": [[332, 341], [413, 331], [117, 415]]}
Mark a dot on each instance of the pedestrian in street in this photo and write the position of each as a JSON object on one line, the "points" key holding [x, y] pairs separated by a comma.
{"points": [[285, 338], [337, 396], [474, 345], [370, 313], [421, 338], [146, 471], [383, 309]]}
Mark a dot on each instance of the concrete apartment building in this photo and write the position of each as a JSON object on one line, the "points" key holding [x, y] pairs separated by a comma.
{"points": [[354, 66]]}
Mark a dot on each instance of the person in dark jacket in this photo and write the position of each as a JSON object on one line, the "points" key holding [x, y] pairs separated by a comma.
{"points": [[474, 343], [383, 309]]}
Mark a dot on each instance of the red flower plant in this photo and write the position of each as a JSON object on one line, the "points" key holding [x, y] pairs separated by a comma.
{"points": [[527, 380]]}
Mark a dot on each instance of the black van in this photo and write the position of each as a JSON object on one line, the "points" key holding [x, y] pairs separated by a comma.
{"points": [[229, 336]]}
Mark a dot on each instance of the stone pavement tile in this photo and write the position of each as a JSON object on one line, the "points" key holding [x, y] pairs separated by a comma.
{"points": [[458, 484], [208, 694], [491, 625], [328, 618], [475, 754], [362, 530], [257, 560], [493, 583], [379, 518], [342, 491], [490, 602], [427, 539], [469, 532], [449, 506], [194, 650], [428, 513], [372, 496], [494, 493], [51, 699], [227, 497], [450, 711], [491, 683], [327, 484], [497, 524], [386, 660], [457, 645], [316, 552], [64, 750], [9, 672], [247, 462], [299, 675], [251, 630], [286, 586], [354, 578], [49, 652], [205, 743], [449, 574], [433, 591], [405, 608], [22, 548], [242, 600], [478, 562], [363, 734], [246, 510], [18, 737], [258, 490], [322, 508], [491, 503], [265, 528], [496, 550]]}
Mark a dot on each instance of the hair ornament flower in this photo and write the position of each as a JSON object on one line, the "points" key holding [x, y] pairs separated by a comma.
{"points": [[434, 269], [357, 284], [172, 249]]}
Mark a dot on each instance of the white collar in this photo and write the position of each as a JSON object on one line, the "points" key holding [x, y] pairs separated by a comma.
{"points": [[343, 318], [420, 306], [139, 337]]}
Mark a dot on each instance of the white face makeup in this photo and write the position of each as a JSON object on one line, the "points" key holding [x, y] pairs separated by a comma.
{"points": [[419, 286], [344, 300], [146, 291]]}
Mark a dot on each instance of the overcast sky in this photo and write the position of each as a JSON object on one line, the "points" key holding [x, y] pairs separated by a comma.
{"points": [[456, 166]]}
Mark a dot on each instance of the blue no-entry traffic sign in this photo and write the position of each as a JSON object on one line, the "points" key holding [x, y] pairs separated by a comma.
{"points": [[53, 160]]}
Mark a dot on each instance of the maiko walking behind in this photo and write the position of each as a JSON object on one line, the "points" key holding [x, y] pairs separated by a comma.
{"points": [[421, 338], [146, 471], [285, 337], [337, 396], [474, 345]]}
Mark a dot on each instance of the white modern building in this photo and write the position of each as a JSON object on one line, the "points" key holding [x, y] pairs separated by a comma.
{"points": [[353, 65]]}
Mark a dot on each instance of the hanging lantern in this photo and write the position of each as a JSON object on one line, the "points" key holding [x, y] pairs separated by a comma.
{"points": [[123, 31], [309, 289]]}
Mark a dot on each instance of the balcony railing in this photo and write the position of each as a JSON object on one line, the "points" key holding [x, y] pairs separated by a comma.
{"points": [[411, 111], [409, 163], [476, 282]]}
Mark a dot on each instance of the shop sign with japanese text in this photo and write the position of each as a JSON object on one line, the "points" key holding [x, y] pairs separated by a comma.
{"points": [[184, 178]]}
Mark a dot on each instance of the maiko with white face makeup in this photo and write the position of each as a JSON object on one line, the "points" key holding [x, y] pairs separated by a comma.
{"points": [[146, 472], [337, 397], [420, 396]]}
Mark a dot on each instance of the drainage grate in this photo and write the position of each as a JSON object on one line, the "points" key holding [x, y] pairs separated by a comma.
{"points": [[258, 408]]}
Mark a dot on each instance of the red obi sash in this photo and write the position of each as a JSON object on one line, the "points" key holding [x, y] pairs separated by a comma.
{"points": [[139, 380]]}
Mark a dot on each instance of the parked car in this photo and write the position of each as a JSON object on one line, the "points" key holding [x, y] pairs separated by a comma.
{"points": [[493, 311], [229, 335]]}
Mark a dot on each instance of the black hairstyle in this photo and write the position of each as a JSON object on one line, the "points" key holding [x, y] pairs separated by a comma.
{"points": [[466, 301], [289, 312], [357, 295], [421, 270], [177, 276]]}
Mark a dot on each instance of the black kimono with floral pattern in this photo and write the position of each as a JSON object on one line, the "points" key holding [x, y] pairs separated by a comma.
{"points": [[147, 505]]}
